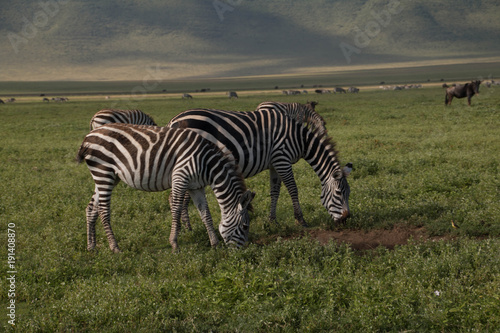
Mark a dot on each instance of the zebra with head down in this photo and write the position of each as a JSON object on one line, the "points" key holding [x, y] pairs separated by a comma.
{"points": [[269, 138], [153, 159]]}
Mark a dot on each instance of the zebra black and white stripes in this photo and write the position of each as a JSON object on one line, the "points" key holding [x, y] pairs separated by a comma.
{"points": [[107, 116], [152, 159], [270, 139]]}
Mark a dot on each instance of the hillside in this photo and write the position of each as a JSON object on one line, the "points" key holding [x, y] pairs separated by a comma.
{"points": [[131, 40]]}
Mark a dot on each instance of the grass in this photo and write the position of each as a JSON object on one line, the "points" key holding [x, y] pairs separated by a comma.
{"points": [[416, 164]]}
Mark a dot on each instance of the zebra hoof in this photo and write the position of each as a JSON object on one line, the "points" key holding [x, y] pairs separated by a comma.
{"points": [[273, 220], [116, 250], [175, 248], [302, 223]]}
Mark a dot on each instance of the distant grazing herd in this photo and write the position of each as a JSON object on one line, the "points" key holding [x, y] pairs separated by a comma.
{"points": [[453, 90]]}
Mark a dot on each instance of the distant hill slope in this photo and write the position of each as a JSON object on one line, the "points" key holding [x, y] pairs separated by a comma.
{"points": [[119, 40]]}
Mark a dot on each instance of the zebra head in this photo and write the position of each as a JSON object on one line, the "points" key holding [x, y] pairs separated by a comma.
{"points": [[335, 194], [235, 226]]}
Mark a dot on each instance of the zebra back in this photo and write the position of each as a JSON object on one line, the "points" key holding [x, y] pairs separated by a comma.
{"points": [[107, 116], [303, 113]]}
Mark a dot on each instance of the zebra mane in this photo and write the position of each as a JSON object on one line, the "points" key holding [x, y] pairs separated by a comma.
{"points": [[327, 141], [313, 118]]}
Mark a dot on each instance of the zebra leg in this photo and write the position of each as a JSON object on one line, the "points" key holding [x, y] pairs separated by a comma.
{"points": [[200, 201], [185, 212], [92, 213], [105, 214], [286, 174], [176, 203], [275, 186], [103, 196]]}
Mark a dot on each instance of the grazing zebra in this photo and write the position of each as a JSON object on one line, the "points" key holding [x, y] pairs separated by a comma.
{"points": [[232, 94], [107, 116], [269, 139], [303, 113], [155, 159], [188, 96]]}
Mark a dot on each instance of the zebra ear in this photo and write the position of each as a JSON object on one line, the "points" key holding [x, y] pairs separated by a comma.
{"points": [[347, 169], [245, 199]]}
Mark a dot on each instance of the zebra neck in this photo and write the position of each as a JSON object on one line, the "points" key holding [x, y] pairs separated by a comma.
{"points": [[227, 185], [225, 196], [321, 156]]}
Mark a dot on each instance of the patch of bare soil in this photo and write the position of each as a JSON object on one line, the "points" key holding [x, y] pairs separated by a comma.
{"points": [[367, 240]]}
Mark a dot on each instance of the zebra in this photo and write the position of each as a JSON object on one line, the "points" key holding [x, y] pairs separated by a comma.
{"points": [[188, 96], [269, 139], [232, 94], [155, 159], [303, 113], [107, 116]]}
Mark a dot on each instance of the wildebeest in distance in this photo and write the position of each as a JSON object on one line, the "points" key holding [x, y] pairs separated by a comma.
{"points": [[462, 90], [187, 96], [322, 91], [232, 94]]}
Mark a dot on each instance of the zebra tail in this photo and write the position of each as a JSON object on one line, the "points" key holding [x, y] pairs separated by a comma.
{"points": [[82, 152], [180, 124]]}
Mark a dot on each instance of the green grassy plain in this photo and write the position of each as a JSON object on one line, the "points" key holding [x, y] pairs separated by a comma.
{"points": [[417, 164]]}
